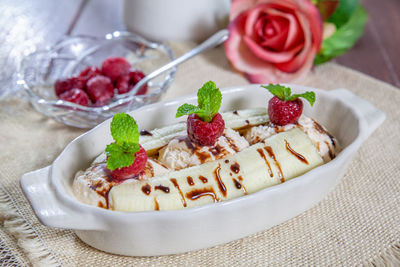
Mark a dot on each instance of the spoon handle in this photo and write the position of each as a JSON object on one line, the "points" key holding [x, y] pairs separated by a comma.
{"points": [[214, 40]]}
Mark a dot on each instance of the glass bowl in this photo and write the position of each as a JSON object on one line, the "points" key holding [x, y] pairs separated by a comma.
{"points": [[67, 58]]}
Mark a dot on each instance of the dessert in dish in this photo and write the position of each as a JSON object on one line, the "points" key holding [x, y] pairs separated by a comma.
{"points": [[96, 86], [216, 157]]}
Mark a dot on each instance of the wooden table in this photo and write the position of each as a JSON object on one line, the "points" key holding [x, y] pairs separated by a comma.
{"points": [[28, 25]]}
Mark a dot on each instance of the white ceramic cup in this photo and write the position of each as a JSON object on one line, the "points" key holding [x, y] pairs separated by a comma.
{"points": [[176, 20]]}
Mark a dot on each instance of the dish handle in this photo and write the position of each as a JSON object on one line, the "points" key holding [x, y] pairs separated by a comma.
{"points": [[368, 112], [48, 209]]}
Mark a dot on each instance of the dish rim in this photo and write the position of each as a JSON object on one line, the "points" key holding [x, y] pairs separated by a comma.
{"points": [[75, 205]]}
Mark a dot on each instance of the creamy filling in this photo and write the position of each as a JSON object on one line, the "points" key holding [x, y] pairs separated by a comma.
{"points": [[92, 186], [181, 153], [325, 143]]}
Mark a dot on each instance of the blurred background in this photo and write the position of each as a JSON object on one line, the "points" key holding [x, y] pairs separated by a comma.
{"points": [[28, 25]]}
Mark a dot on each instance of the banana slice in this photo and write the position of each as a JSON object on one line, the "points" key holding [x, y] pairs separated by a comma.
{"points": [[273, 161]]}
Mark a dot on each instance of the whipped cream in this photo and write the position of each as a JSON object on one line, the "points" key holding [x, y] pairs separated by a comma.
{"points": [[181, 153], [325, 143], [92, 185]]}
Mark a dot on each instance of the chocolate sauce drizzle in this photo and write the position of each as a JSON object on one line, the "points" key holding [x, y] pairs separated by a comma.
{"points": [[175, 183], [165, 189], [145, 132], [146, 189], [190, 181], [198, 193], [239, 185], [272, 156], [235, 167], [261, 152], [203, 179], [156, 205], [296, 154], [221, 184]]}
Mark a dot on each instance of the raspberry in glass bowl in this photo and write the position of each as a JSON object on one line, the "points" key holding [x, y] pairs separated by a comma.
{"points": [[77, 62]]}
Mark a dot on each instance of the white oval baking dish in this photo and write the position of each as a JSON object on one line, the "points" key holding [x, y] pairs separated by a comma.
{"points": [[348, 117]]}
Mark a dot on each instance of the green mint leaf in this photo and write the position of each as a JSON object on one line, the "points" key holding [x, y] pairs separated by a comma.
{"points": [[309, 96], [187, 109], [278, 90], [120, 156], [124, 129], [344, 38], [209, 100], [125, 132], [285, 93]]}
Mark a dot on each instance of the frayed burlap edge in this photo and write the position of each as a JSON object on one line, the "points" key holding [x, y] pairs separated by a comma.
{"points": [[40, 255], [389, 257], [27, 238]]}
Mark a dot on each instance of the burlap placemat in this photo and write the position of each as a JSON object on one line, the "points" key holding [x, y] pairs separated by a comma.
{"points": [[357, 224]]}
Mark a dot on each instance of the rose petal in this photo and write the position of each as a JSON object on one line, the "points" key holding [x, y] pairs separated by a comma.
{"points": [[270, 74], [239, 6], [260, 71], [269, 55], [281, 28], [315, 21]]}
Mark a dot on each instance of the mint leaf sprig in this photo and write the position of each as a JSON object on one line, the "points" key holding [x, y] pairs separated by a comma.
{"points": [[125, 133], [209, 100], [285, 93]]}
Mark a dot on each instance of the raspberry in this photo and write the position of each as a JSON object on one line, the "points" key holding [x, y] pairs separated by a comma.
{"points": [[133, 170], [136, 76], [75, 95], [284, 112], [114, 67], [89, 73], [63, 85], [100, 90], [125, 83], [205, 133]]}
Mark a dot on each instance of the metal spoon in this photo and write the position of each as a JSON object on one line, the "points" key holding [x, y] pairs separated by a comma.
{"points": [[211, 42]]}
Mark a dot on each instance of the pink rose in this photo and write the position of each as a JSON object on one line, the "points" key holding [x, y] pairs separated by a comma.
{"points": [[273, 41]]}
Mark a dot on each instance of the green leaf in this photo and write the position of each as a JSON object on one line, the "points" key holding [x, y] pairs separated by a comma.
{"points": [[187, 109], [343, 12], [344, 38], [124, 129], [209, 100], [309, 96], [119, 156], [278, 90], [285, 94]]}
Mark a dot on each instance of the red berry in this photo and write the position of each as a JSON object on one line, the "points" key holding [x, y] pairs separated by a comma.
{"points": [[133, 170], [89, 73], [123, 84], [114, 67], [126, 82], [76, 95], [100, 90], [63, 85], [284, 112], [205, 133], [136, 76]]}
